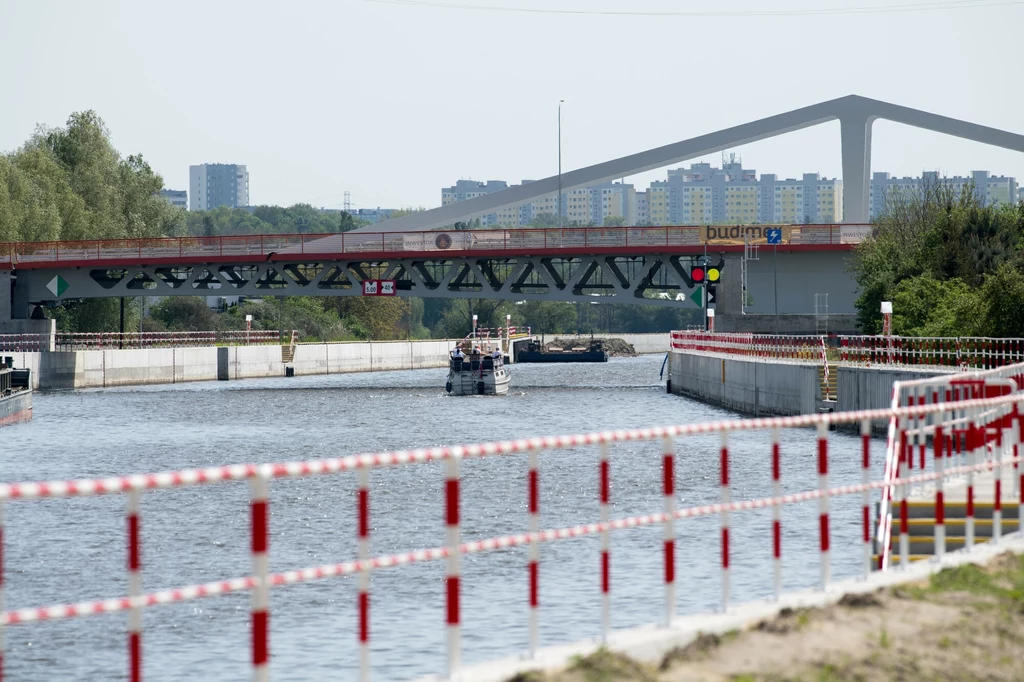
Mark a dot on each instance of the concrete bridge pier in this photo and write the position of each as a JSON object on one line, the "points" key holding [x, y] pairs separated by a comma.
{"points": [[15, 309]]}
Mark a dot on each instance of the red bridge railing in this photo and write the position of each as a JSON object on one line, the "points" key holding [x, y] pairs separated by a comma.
{"points": [[988, 413], [519, 240]]}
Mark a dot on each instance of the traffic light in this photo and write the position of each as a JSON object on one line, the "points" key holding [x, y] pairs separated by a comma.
{"points": [[713, 274], [698, 274]]}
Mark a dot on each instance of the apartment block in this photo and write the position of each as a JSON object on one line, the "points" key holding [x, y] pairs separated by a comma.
{"points": [[212, 185], [990, 189], [176, 197]]}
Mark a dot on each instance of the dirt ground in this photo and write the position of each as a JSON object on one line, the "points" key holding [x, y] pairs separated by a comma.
{"points": [[962, 624]]}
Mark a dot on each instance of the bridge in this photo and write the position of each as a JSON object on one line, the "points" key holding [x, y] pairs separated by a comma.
{"points": [[643, 265]]}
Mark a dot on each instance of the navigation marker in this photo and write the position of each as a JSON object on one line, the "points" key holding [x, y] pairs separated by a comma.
{"points": [[57, 286], [698, 296]]}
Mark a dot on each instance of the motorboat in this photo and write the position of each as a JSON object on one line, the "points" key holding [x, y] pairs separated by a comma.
{"points": [[477, 373]]}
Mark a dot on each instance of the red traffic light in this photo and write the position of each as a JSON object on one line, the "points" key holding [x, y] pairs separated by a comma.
{"points": [[697, 275]]}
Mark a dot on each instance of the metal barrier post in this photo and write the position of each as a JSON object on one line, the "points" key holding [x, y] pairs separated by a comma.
{"points": [[776, 516], [451, 495], [605, 492], [972, 459], [940, 504], [260, 512], [725, 521], [997, 501], [533, 552], [668, 474], [902, 491], [134, 587], [865, 478], [363, 549], [826, 567]]}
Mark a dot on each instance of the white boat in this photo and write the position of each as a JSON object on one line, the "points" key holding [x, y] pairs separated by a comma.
{"points": [[477, 374]]}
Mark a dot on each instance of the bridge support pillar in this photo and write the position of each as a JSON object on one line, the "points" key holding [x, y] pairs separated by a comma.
{"points": [[6, 296], [855, 134], [14, 311]]}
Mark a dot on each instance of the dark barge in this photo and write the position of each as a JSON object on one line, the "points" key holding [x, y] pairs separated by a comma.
{"points": [[535, 352], [15, 393]]}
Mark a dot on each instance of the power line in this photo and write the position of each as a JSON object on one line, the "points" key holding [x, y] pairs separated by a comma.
{"points": [[822, 11]]}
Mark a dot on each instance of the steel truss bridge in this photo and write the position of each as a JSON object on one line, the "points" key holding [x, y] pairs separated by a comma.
{"points": [[645, 265]]}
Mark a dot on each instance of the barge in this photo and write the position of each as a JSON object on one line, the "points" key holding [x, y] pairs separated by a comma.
{"points": [[15, 393], [535, 352]]}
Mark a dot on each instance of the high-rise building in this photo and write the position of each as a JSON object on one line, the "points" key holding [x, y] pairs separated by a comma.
{"points": [[643, 213], [988, 188], [212, 185], [176, 197]]}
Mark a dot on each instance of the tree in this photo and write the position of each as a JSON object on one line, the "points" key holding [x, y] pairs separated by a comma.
{"points": [[614, 221], [938, 234], [185, 313]]}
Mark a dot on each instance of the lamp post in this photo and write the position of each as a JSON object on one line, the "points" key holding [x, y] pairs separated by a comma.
{"points": [[560, 163]]}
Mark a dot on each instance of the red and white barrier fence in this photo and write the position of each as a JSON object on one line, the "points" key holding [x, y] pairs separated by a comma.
{"points": [[955, 434], [985, 412], [67, 341], [964, 353]]}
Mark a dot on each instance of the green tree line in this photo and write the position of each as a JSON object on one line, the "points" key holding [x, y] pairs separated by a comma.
{"points": [[70, 183], [951, 265]]}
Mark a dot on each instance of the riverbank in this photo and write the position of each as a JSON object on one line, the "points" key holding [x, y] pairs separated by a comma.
{"points": [[963, 623], [136, 367], [108, 368]]}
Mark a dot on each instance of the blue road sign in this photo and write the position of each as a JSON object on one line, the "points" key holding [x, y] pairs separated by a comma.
{"points": [[773, 235]]}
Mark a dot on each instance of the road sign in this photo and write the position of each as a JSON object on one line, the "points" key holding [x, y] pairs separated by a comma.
{"points": [[57, 286], [379, 287], [711, 295], [773, 235], [698, 296]]}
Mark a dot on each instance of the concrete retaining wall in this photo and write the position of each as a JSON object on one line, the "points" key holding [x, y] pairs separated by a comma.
{"points": [[870, 388], [100, 368], [758, 388], [781, 388], [334, 358]]}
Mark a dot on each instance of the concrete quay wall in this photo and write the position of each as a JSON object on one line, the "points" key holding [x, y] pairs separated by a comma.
{"points": [[757, 388], [780, 388], [103, 368]]}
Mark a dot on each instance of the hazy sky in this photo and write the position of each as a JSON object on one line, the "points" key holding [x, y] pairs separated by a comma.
{"points": [[393, 99]]}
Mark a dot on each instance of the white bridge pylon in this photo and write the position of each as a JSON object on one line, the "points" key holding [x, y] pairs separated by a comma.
{"points": [[855, 114]]}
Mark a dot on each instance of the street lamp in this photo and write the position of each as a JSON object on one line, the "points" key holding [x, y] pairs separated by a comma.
{"points": [[560, 163]]}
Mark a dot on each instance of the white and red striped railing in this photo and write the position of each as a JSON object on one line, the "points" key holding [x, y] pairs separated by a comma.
{"points": [[966, 352], [939, 417], [72, 341], [963, 353], [956, 436]]}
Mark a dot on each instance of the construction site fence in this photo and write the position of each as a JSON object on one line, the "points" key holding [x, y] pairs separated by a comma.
{"points": [[992, 424], [963, 353]]}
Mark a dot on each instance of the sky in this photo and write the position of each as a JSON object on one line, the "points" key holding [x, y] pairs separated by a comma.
{"points": [[391, 100]]}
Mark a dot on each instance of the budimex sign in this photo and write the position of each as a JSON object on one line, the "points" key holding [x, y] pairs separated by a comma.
{"points": [[734, 234]]}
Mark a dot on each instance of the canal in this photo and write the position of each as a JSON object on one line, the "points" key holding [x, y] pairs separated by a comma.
{"points": [[68, 550]]}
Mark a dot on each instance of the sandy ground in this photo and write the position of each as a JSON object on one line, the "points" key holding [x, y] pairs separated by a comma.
{"points": [[962, 624]]}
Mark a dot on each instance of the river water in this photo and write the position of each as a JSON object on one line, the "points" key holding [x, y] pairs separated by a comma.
{"points": [[67, 550]]}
